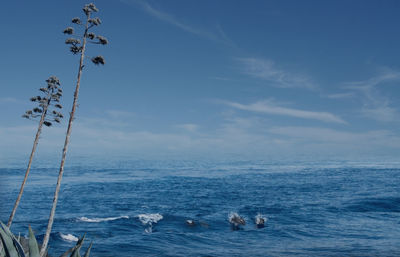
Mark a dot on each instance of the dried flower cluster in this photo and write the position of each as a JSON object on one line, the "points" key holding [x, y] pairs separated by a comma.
{"points": [[69, 31], [52, 94], [98, 60], [76, 20], [76, 45]]}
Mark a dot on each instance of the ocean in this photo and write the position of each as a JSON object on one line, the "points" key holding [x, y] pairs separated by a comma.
{"points": [[140, 207]]}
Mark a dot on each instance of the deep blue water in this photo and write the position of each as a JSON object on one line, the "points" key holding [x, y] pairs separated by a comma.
{"points": [[313, 209]]}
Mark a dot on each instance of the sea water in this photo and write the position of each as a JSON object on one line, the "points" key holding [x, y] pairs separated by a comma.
{"points": [[140, 208]]}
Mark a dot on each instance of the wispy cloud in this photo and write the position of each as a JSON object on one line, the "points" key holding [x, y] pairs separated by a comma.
{"points": [[385, 75], [376, 105], [341, 95], [190, 127], [345, 139], [382, 112], [219, 35], [221, 78], [244, 137], [269, 107], [9, 100], [267, 70], [119, 114]]}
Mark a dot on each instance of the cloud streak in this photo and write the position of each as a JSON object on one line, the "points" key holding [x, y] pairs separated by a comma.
{"points": [[238, 136], [341, 95], [218, 36], [267, 70], [7, 100], [386, 75], [270, 108], [189, 127], [376, 106]]}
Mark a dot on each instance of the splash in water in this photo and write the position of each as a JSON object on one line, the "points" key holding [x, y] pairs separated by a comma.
{"points": [[150, 219], [260, 220], [236, 220]]}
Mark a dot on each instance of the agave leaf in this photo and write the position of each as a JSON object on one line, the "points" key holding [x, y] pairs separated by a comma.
{"points": [[16, 243], [88, 250], [2, 252], [33, 245], [75, 252], [9, 248], [19, 247], [69, 251]]}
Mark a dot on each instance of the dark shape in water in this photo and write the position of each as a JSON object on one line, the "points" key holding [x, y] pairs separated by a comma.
{"points": [[236, 221], [260, 222], [203, 224]]}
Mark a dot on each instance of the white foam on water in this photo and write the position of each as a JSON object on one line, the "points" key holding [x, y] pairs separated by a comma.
{"points": [[149, 219], [260, 216], [85, 219], [69, 237], [233, 215]]}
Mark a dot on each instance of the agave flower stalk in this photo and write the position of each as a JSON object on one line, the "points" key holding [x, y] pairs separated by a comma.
{"points": [[51, 97], [76, 47]]}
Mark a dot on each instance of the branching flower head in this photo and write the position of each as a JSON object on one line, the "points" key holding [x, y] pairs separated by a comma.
{"points": [[47, 123], [98, 60], [52, 93], [72, 41], [95, 21], [76, 20], [75, 49], [69, 31], [93, 7], [37, 110], [91, 35], [90, 8], [76, 46], [53, 81], [102, 40]]}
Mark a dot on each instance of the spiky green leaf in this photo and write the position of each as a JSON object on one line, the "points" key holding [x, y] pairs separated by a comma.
{"points": [[75, 252], [11, 246], [33, 245], [87, 253], [68, 251], [2, 252]]}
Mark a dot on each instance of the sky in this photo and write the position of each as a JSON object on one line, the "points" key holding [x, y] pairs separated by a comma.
{"points": [[209, 79]]}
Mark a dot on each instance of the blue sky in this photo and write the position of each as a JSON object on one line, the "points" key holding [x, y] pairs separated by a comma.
{"points": [[220, 79]]}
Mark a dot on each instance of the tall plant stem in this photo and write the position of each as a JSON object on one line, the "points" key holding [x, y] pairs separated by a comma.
{"points": [[35, 143], [64, 153]]}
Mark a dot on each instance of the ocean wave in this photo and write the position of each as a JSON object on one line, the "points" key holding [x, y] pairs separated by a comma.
{"points": [[378, 204], [149, 219], [85, 219], [69, 237]]}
